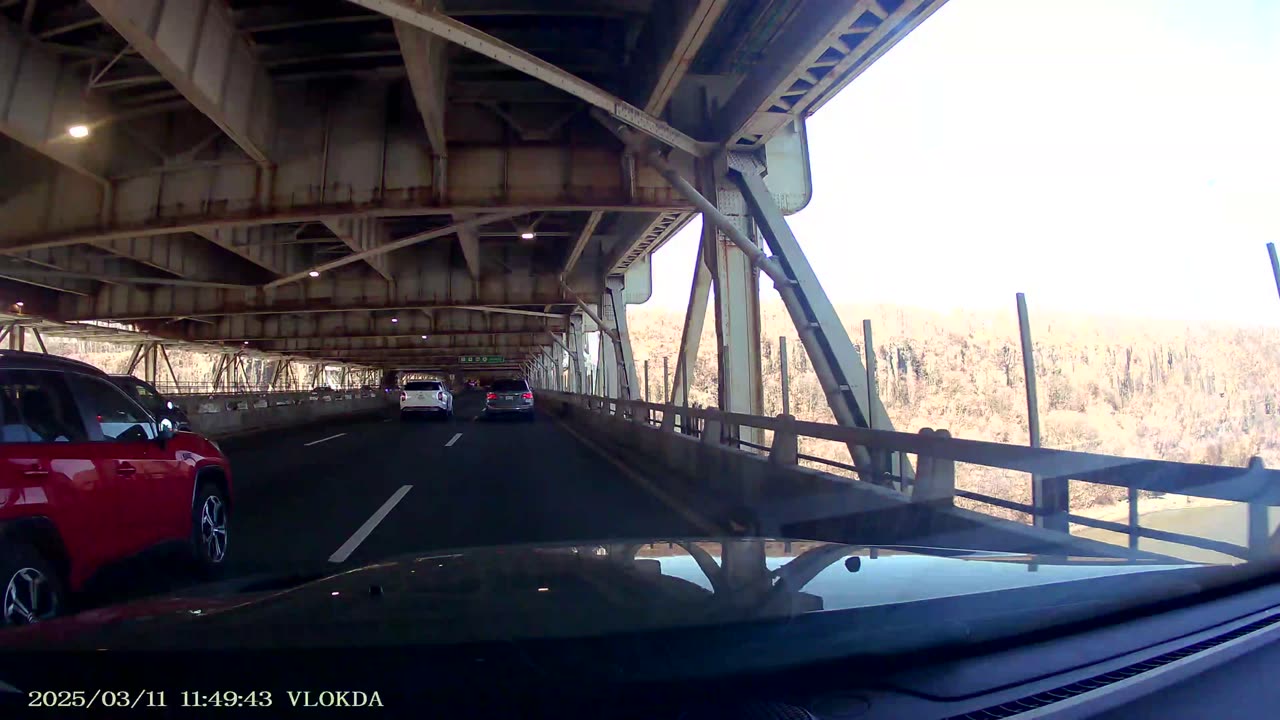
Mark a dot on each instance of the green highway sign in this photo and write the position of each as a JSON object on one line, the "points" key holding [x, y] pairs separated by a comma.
{"points": [[481, 360]]}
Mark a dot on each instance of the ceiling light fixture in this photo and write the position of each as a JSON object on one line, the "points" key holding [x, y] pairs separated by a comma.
{"points": [[314, 273], [395, 320], [527, 235], [78, 132]]}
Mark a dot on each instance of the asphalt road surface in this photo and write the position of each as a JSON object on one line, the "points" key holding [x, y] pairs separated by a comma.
{"points": [[326, 497]]}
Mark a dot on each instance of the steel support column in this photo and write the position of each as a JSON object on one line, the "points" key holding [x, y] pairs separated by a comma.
{"points": [[619, 364], [736, 282], [830, 351], [694, 318], [151, 363], [578, 384]]}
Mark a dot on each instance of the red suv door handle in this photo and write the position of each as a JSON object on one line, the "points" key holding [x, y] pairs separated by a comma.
{"points": [[35, 471], [125, 468]]}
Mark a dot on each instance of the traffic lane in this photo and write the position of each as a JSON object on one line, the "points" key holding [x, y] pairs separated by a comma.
{"points": [[279, 481], [505, 481], [306, 492], [302, 501]]}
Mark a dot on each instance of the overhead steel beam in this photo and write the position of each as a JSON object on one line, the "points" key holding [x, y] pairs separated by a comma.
{"points": [[509, 311], [50, 274], [357, 324], [394, 245], [40, 98], [259, 245], [575, 252], [429, 282], [650, 238], [481, 179], [181, 255], [374, 355], [195, 45], [465, 344], [427, 67], [512, 56], [824, 46], [361, 234], [469, 243], [562, 8], [695, 19]]}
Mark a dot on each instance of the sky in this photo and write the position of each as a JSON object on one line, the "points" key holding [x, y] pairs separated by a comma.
{"points": [[1107, 157]]}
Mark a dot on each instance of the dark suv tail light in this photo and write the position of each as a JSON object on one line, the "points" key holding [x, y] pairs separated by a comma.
{"points": [[491, 396], [527, 396]]}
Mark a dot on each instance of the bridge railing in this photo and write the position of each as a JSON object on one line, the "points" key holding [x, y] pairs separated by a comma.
{"points": [[214, 401], [936, 453]]}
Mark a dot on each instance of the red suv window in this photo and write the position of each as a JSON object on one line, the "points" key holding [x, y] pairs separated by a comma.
{"points": [[37, 407], [118, 417]]}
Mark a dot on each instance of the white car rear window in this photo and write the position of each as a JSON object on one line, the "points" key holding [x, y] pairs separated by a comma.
{"points": [[422, 386]]}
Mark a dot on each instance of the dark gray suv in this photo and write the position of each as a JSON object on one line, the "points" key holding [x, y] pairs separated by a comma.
{"points": [[148, 397], [509, 397]]}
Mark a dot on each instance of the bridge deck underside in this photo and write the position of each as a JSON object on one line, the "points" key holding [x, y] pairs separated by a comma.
{"points": [[290, 176]]}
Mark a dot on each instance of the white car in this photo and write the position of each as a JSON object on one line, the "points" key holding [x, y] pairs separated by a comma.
{"points": [[426, 397]]}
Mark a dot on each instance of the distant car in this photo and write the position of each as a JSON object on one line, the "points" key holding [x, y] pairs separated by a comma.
{"points": [[90, 478], [509, 397], [426, 397], [158, 405], [322, 392]]}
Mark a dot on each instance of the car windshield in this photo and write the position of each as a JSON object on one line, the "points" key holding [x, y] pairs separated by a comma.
{"points": [[515, 319]]}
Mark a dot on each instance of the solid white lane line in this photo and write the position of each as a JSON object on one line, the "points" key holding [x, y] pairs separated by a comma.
{"points": [[694, 518], [369, 525], [317, 442], [453, 440]]}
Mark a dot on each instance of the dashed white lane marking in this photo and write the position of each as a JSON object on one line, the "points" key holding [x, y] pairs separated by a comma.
{"points": [[317, 442], [453, 440], [388, 420], [369, 525]]}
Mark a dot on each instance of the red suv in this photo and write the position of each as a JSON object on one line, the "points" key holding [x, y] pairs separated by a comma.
{"points": [[87, 478]]}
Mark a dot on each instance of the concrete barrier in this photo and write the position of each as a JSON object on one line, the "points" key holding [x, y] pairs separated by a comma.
{"points": [[740, 492], [230, 417]]}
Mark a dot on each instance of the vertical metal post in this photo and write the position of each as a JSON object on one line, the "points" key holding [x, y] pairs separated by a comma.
{"points": [[869, 359], [1259, 527], [1133, 518], [149, 363], [666, 381], [786, 375], [1275, 264], [1048, 495], [735, 281], [21, 333], [646, 380]]}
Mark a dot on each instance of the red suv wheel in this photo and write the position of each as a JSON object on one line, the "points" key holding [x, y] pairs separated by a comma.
{"points": [[30, 589]]}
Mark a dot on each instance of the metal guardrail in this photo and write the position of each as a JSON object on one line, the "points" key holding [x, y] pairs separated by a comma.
{"points": [[219, 402], [936, 453]]}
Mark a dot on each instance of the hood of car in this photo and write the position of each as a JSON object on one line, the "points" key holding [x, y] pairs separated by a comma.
{"points": [[565, 591]]}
